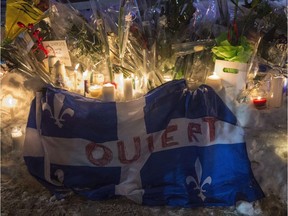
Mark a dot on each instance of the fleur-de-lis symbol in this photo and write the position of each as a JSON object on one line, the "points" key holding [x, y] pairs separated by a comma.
{"points": [[58, 104], [208, 180]]}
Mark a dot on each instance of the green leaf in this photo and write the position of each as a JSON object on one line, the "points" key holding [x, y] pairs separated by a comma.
{"points": [[225, 51]]}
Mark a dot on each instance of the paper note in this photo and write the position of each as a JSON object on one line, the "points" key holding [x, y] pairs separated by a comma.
{"points": [[59, 49]]}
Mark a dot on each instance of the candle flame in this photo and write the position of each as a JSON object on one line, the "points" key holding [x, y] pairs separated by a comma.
{"points": [[9, 101], [85, 74], [77, 66]]}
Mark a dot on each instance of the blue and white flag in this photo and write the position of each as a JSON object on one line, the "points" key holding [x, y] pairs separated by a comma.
{"points": [[171, 147]]}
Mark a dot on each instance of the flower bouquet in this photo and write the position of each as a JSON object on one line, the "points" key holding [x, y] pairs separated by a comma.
{"points": [[143, 45]]}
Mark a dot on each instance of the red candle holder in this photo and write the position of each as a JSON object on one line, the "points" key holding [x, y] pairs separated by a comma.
{"points": [[260, 103]]}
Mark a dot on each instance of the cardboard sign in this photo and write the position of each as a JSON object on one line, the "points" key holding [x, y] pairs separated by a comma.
{"points": [[59, 49]]}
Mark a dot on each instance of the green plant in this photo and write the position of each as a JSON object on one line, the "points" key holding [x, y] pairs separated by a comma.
{"points": [[224, 50]]}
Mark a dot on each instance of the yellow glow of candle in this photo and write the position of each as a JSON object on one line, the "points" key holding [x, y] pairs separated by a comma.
{"points": [[214, 81], [85, 75], [167, 77], [95, 90], [128, 89], [9, 101], [16, 132], [108, 92], [75, 76], [17, 138]]}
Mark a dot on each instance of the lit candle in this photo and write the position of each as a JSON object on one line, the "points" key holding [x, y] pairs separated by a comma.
{"points": [[167, 77], [277, 84], [128, 89], [17, 137], [95, 91], [75, 76], [85, 82], [10, 103], [214, 81], [60, 73], [259, 102], [108, 91], [119, 80]]}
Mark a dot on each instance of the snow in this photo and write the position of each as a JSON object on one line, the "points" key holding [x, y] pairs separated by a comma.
{"points": [[266, 139]]}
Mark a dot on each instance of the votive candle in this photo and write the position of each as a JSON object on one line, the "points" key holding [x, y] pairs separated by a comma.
{"points": [[128, 89], [260, 102], [17, 137], [108, 92], [95, 91], [119, 80], [276, 96]]}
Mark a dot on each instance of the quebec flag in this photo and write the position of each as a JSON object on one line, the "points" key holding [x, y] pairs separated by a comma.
{"points": [[171, 147]]}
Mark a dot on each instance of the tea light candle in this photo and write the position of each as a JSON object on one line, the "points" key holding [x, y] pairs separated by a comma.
{"points": [[128, 89], [214, 81], [17, 137], [108, 92], [95, 91], [259, 102]]}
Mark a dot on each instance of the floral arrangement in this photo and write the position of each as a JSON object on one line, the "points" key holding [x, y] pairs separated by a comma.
{"points": [[147, 45]]}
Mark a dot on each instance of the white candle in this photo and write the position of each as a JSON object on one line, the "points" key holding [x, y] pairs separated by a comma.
{"points": [[276, 94], [128, 89], [95, 91], [76, 76], [214, 81], [108, 92], [61, 75], [119, 80], [51, 62], [17, 138]]}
